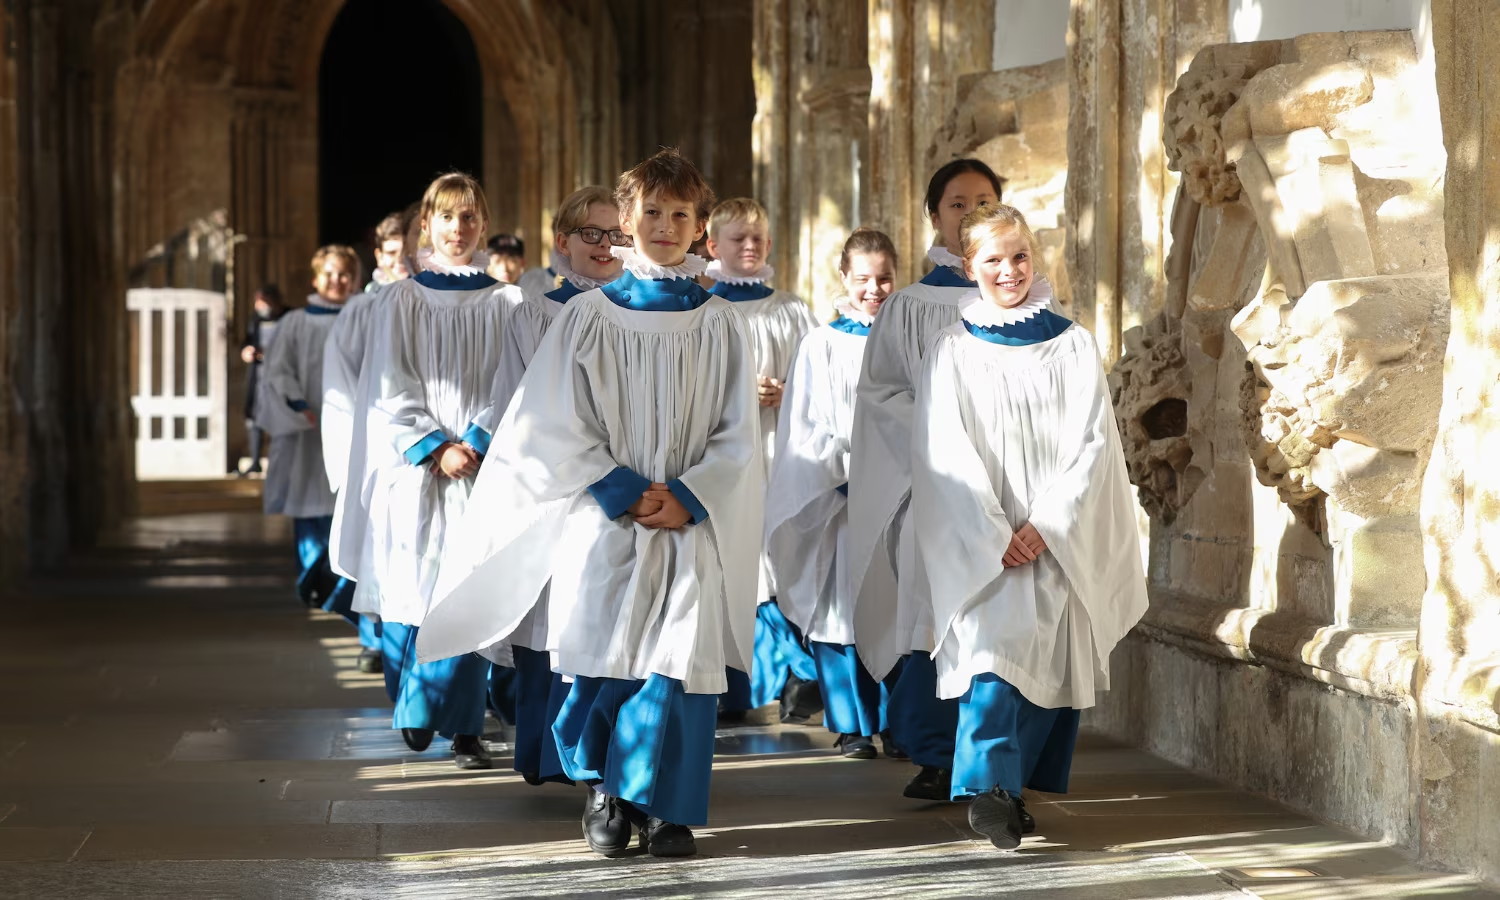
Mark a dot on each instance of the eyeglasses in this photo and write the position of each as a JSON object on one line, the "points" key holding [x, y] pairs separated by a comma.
{"points": [[591, 235]]}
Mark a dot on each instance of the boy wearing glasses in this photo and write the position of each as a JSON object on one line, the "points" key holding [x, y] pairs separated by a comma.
{"points": [[586, 226], [739, 238]]}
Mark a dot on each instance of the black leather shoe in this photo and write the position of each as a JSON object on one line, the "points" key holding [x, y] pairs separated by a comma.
{"points": [[930, 783], [731, 718], [856, 746], [418, 739], [371, 662], [666, 839], [888, 746], [1028, 824], [469, 753], [605, 825], [800, 701], [995, 815]]}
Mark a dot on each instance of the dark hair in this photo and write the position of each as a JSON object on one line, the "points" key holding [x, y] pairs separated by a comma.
{"points": [[867, 240], [952, 170], [391, 228], [507, 245], [669, 174], [272, 292]]}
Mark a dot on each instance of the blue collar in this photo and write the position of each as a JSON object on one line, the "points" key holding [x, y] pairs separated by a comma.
{"points": [[1044, 326], [440, 281], [567, 291], [738, 292], [655, 294], [312, 310], [849, 326], [943, 276]]}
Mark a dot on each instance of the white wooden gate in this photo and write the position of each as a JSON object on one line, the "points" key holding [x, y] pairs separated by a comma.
{"points": [[179, 394]]}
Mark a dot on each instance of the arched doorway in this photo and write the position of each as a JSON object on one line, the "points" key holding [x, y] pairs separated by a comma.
{"points": [[393, 113]]}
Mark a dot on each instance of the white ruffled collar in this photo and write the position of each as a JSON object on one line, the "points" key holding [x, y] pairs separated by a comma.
{"points": [[641, 267], [716, 272], [942, 256], [981, 312], [852, 313], [562, 266], [479, 263]]}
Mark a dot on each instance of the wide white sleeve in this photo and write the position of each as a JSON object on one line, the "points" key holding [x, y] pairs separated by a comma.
{"points": [[399, 404], [343, 353], [280, 383]]}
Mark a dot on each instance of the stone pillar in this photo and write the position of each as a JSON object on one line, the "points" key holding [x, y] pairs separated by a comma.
{"points": [[1459, 739], [14, 457]]}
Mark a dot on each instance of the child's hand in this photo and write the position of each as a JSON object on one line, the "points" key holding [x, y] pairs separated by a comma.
{"points": [[769, 390], [1032, 539], [457, 461], [672, 514], [311, 417], [644, 507], [1017, 554]]}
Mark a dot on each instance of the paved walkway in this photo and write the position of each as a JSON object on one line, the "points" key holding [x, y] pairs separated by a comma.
{"points": [[175, 725]]}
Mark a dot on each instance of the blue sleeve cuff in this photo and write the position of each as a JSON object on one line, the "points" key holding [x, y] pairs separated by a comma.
{"points": [[419, 452], [477, 438], [843, 489], [619, 490], [688, 499], [298, 405]]}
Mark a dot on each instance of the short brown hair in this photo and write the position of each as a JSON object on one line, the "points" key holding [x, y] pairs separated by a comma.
{"points": [[574, 211], [867, 240], [737, 209], [987, 221], [452, 191], [391, 228], [669, 174], [339, 251]]}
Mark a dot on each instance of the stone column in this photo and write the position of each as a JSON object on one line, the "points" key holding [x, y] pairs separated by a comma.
{"points": [[14, 458]]}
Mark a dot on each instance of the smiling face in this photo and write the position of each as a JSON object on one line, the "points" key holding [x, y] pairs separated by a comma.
{"points": [[964, 193], [1002, 265], [593, 260], [741, 248], [455, 234], [663, 228], [870, 279], [334, 281]]}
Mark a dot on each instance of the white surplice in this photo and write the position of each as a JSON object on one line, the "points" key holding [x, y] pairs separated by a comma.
{"points": [[806, 514], [1006, 435], [344, 431], [296, 481], [430, 371], [667, 395], [537, 281], [890, 617]]}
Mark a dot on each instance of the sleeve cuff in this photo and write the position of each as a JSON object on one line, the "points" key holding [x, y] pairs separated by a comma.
{"points": [[688, 499], [619, 490], [298, 405], [478, 438], [843, 489], [419, 452]]}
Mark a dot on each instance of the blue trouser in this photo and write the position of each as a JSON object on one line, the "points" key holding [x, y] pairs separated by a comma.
{"points": [[316, 582], [369, 632], [502, 693], [1006, 741], [446, 696], [920, 723], [779, 653], [539, 697], [647, 742], [853, 701]]}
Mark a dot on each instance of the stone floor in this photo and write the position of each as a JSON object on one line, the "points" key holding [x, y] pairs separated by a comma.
{"points": [[176, 726]]}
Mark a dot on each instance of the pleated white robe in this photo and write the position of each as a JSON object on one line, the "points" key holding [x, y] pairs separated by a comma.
{"points": [[879, 543], [667, 395], [806, 515], [1007, 435], [431, 370], [536, 281], [296, 481], [345, 435]]}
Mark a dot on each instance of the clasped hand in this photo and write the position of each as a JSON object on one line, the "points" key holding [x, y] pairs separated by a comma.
{"points": [[457, 460], [769, 390], [660, 508], [1025, 546]]}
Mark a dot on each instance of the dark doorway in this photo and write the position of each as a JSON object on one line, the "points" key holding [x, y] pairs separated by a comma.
{"points": [[400, 101]]}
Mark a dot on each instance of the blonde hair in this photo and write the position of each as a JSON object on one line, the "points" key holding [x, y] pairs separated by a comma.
{"points": [[454, 190], [737, 209], [666, 173], [988, 221], [867, 240], [574, 211], [338, 251]]}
